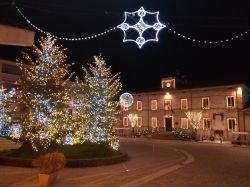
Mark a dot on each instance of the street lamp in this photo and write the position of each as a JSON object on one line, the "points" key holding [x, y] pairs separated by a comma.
{"points": [[167, 96], [238, 96], [239, 91]]}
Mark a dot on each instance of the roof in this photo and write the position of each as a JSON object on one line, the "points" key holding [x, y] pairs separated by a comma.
{"points": [[197, 85]]}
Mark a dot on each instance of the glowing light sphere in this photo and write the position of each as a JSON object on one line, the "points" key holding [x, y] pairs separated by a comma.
{"points": [[126, 99], [136, 21]]}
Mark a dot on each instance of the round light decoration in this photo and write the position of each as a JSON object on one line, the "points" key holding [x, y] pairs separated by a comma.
{"points": [[126, 99], [146, 24], [168, 85]]}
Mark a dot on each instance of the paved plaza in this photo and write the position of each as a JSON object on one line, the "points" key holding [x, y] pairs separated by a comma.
{"points": [[152, 163]]}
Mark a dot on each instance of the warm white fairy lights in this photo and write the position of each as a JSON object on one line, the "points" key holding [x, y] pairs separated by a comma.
{"points": [[16, 131], [6, 98], [65, 38], [141, 26], [133, 118], [210, 42], [41, 94], [98, 110], [194, 119]]}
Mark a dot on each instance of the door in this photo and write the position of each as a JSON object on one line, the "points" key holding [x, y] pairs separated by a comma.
{"points": [[168, 124], [218, 122]]}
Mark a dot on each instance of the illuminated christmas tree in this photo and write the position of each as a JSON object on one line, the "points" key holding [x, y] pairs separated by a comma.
{"points": [[194, 119], [5, 111], [43, 94], [99, 108]]}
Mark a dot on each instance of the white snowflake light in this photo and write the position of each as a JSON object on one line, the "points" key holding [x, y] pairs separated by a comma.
{"points": [[126, 99], [141, 21]]}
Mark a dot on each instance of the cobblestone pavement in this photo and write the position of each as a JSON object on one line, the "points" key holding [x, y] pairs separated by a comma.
{"points": [[153, 163]]}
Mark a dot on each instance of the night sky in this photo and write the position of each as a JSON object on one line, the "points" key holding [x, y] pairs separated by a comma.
{"points": [[143, 69]]}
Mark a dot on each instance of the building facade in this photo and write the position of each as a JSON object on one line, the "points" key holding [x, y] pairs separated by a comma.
{"points": [[9, 73], [221, 108]]}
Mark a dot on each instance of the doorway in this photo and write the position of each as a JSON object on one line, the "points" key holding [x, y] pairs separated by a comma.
{"points": [[168, 123]]}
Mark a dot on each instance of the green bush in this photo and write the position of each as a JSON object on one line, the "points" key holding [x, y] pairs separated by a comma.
{"points": [[84, 150], [219, 132], [183, 134]]}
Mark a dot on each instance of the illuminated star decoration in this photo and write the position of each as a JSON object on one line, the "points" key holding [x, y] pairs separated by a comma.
{"points": [[141, 21]]}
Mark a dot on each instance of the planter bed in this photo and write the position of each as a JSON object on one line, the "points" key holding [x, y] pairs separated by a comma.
{"points": [[71, 163]]}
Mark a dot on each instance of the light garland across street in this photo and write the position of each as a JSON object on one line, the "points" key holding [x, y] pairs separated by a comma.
{"points": [[235, 37], [139, 27], [64, 38]]}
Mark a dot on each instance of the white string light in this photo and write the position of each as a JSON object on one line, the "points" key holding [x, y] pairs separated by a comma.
{"points": [[237, 36], [64, 38], [124, 26]]}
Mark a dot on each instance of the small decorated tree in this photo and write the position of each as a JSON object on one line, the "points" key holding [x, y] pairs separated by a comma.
{"points": [[194, 119], [133, 120], [43, 95], [98, 110]]}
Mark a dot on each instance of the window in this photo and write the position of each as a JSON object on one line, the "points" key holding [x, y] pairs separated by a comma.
{"points": [[154, 122], [184, 123], [125, 121], [230, 102], [139, 121], [184, 104], [154, 104], [231, 122], [167, 104], [139, 105], [205, 102], [206, 123]]}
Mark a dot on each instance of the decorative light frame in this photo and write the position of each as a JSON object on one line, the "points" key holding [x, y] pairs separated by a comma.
{"points": [[141, 26]]}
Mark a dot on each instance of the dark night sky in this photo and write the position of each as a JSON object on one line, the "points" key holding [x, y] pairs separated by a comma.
{"points": [[143, 68]]}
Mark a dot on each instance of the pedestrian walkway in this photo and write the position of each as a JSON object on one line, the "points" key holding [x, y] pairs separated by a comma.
{"points": [[146, 157]]}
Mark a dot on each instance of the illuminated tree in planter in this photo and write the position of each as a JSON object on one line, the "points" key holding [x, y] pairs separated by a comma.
{"points": [[99, 108], [43, 95], [5, 111], [194, 119]]}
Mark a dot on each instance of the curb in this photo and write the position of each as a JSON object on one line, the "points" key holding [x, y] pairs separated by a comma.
{"points": [[70, 163]]}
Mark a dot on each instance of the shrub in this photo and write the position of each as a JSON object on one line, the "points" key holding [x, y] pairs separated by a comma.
{"points": [[219, 132], [182, 134], [50, 162]]}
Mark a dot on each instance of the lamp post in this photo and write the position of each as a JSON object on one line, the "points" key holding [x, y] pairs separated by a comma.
{"points": [[238, 95]]}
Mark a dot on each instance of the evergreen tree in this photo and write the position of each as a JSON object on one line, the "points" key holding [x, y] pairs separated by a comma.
{"points": [[99, 108], [43, 95]]}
